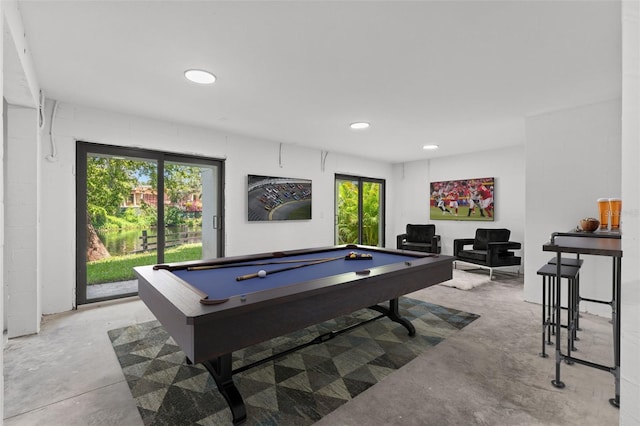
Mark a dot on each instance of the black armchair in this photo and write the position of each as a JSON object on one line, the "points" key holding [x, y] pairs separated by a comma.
{"points": [[491, 248], [419, 238]]}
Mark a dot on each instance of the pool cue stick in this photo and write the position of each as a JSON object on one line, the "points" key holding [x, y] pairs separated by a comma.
{"points": [[289, 268], [215, 264], [239, 265]]}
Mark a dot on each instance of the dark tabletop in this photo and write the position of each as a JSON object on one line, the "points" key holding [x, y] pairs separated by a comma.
{"points": [[583, 244]]}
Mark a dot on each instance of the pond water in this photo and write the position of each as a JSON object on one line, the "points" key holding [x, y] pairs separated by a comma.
{"points": [[128, 241]]}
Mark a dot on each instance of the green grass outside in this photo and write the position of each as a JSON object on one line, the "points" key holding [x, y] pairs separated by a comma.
{"points": [[463, 212], [120, 268]]}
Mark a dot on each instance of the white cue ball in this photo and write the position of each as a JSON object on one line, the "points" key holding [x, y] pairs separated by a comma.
{"points": [[262, 273]]}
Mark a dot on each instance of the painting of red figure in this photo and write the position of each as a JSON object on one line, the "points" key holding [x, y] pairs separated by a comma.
{"points": [[465, 199]]}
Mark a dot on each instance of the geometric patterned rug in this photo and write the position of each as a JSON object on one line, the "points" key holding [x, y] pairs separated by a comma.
{"points": [[298, 389]]}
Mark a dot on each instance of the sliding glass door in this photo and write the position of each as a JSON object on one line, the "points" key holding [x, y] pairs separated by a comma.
{"points": [[138, 207], [191, 217], [359, 210]]}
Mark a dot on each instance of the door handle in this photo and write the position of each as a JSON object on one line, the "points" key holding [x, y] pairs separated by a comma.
{"points": [[217, 222]]}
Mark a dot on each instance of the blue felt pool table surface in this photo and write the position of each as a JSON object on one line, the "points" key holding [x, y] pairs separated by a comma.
{"points": [[220, 283]]}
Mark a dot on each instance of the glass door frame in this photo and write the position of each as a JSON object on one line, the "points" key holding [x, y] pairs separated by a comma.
{"points": [[83, 151], [382, 209]]}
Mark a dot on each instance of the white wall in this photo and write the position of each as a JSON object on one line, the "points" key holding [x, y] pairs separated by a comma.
{"points": [[243, 156], [630, 329], [572, 158], [2, 183], [411, 201], [21, 222], [21, 169]]}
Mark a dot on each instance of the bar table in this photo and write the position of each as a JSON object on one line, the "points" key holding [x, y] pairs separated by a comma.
{"points": [[599, 243]]}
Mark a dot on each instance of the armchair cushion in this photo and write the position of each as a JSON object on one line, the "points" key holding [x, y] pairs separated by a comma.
{"points": [[477, 255], [419, 238], [490, 248], [420, 233], [485, 236]]}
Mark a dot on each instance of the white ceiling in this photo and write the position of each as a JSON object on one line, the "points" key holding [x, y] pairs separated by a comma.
{"points": [[460, 74]]}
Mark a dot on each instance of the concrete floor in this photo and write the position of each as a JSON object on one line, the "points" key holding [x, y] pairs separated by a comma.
{"points": [[115, 289], [489, 373]]}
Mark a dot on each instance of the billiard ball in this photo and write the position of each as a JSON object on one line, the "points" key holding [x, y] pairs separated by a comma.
{"points": [[262, 273]]}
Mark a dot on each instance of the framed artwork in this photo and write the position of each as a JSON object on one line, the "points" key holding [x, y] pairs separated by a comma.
{"points": [[278, 198], [465, 199]]}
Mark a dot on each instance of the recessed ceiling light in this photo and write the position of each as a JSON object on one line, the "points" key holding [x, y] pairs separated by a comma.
{"points": [[430, 147], [200, 76], [359, 125]]}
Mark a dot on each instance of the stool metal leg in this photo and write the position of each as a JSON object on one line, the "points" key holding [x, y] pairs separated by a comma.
{"points": [[570, 345], [557, 382], [576, 307], [553, 303], [550, 310], [578, 304], [545, 320]]}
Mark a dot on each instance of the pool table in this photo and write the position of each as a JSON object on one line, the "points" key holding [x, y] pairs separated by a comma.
{"points": [[212, 308]]}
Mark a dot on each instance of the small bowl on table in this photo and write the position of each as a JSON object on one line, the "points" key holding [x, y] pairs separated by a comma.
{"points": [[589, 224]]}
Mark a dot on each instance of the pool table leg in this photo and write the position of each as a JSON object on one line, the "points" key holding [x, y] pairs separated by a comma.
{"points": [[221, 371], [393, 313]]}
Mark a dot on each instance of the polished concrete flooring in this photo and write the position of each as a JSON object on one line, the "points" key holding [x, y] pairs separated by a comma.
{"points": [[116, 289], [489, 373]]}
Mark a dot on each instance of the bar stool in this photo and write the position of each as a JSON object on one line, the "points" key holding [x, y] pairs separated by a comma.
{"points": [[577, 262], [549, 304]]}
